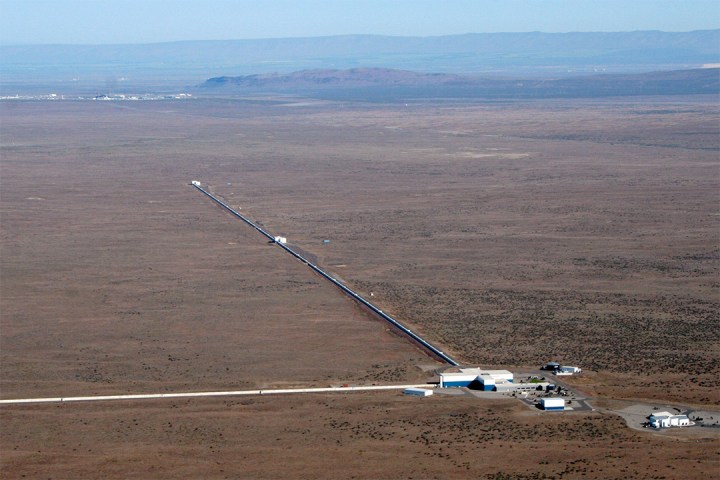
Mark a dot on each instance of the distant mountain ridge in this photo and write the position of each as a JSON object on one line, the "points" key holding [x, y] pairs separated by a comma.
{"points": [[532, 54], [389, 84], [353, 77]]}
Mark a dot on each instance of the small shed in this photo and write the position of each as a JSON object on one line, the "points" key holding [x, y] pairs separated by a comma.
{"points": [[419, 392], [196, 183], [552, 404]]}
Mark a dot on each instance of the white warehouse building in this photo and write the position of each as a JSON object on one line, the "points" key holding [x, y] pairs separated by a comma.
{"points": [[552, 404], [667, 419], [476, 378]]}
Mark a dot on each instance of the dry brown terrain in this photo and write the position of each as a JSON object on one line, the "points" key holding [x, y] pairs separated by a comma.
{"points": [[510, 234], [358, 435]]}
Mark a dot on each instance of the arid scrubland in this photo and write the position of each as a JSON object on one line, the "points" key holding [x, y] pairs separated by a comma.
{"points": [[509, 233]]}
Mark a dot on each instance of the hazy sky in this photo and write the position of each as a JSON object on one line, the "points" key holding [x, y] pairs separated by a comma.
{"points": [[141, 21]]}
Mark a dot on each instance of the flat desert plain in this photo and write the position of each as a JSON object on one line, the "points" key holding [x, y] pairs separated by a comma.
{"points": [[508, 233]]}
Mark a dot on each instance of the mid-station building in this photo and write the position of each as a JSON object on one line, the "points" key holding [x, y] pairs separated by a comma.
{"points": [[476, 378]]}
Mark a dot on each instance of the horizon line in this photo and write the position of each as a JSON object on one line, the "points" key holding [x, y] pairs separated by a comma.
{"points": [[261, 39]]}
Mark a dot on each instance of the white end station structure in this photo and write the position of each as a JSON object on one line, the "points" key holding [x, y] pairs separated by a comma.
{"points": [[667, 419]]}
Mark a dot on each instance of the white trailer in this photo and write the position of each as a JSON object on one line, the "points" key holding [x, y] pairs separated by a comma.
{"points": [[566, 368]]}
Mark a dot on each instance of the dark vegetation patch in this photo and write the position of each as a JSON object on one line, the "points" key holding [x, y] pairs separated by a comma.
{"points": [[615, 332]]}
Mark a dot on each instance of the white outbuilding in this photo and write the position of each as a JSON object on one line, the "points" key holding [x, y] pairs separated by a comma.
{"points": [[667, 419], [567, 370], [419, 392], [196, 183], [552, 404], [281, 240]]}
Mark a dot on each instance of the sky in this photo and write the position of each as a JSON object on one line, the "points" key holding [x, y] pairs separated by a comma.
{"points": [[150, 21]]}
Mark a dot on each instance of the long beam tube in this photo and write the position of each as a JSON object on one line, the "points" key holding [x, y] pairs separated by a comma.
{"points": [[233, 393], [427, 345]]}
